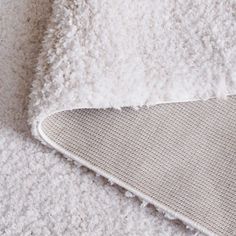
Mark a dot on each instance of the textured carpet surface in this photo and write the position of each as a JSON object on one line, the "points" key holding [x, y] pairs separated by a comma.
{"points": [[133, 53], [105, 54], [41, 193]]}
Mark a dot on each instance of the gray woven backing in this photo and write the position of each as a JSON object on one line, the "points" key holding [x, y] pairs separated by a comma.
{"points": [[181, 156]]}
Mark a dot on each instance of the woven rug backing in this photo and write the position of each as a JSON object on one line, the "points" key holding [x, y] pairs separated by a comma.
{"points": [[181, 157]]}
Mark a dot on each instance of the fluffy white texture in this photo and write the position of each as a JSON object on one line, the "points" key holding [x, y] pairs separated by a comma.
{"points": [[41, 193], [133, 53]]}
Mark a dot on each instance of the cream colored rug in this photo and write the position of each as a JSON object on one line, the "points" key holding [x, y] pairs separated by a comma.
{"points": [[138, 91], [41, 192]]}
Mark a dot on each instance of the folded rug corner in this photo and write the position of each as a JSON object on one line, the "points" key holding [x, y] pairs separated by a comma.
{"points": [[174, 61]]}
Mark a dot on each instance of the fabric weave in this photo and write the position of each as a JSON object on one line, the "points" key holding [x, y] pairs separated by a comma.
{"points": [[181, 156]]}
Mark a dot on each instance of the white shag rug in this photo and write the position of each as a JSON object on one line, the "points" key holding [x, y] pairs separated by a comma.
{"points": [[113, 54], [139, 53], [41, 193], [103, 54]]}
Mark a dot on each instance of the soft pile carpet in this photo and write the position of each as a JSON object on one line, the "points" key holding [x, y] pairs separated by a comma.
{"points": [[42, 193], [104, 74], [104, 77]]}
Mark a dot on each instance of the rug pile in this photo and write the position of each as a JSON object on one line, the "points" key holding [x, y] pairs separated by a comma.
{"points": [[141, 93], [42, 193]]}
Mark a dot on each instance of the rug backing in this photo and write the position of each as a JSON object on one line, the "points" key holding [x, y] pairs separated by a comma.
{"points": [[180, 156]]}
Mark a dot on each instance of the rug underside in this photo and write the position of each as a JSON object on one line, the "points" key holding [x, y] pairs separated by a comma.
{"points": [[180, 157]]}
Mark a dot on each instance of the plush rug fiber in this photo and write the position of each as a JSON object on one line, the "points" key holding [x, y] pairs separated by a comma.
{"points": [[105, 54], [114, 54], [42, 193]]}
